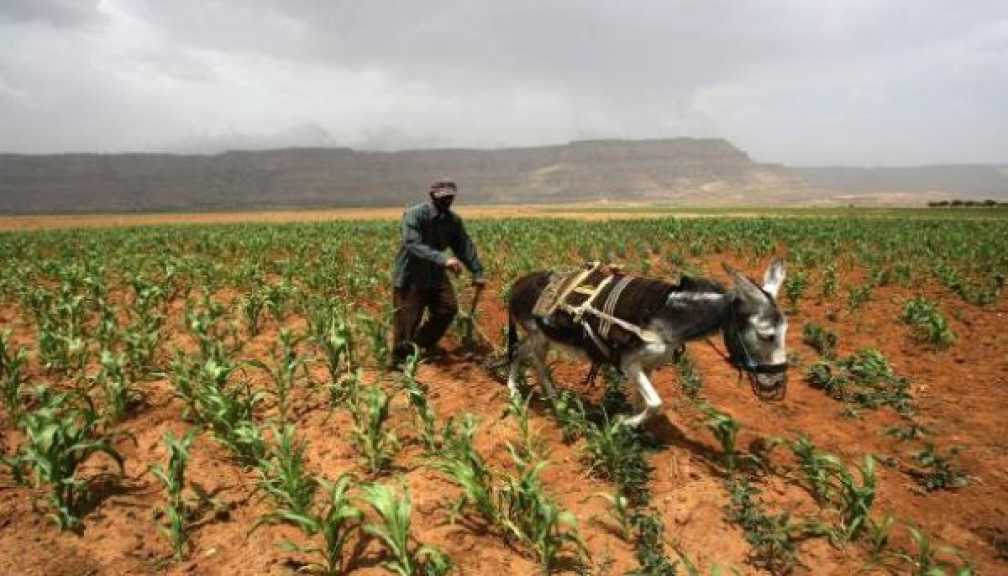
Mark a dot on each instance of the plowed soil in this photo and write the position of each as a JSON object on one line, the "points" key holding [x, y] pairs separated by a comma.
{"points": [[960, 394]]}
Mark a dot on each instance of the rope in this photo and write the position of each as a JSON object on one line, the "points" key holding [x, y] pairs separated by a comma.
{"points": [[610, 304]]}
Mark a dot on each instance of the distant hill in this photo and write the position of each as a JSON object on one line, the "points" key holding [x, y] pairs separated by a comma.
{"points": [[695, 171], [966, 181], [686, 171]]}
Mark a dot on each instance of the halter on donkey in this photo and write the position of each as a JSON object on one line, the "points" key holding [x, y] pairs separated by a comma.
{"points": [[640, 324]]}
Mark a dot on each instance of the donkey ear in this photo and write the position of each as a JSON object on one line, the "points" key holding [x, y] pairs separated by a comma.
{"points": [[774, 276], [748, 289]]}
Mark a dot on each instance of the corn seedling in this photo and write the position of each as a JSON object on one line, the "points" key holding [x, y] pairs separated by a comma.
{"points": [[567, 408], [877, 384], [619, 512], [416, 393], [650, 546], [878, 538], [938, 471], [58, 440], [822, 340], [331, 332], [184, 377], [534, 518], [376, 330], [146, 297], [864, 379], [12, 378], [120, 395], [393, 531], [820, 468], [911, 431], [531, 446], [283, 476], [336, 521], [794, 287], [108, 324], [140, 341], [614, 400], [857, 499], [230, 413], [725, 429], [823, 374], [205, 324], [615, 452], [375, 444], [463, 465], [276, 297], [928, 323], [172, 477], [931, 560], [689, 379], [772, 538], [16, 467], [284, 372], [252, 305], [858, 295]]}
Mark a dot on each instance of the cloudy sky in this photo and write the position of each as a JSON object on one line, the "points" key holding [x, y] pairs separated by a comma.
{"points": [[795, 81]]}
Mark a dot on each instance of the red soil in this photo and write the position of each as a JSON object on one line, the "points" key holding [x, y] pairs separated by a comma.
{"points": [[961, 394]]}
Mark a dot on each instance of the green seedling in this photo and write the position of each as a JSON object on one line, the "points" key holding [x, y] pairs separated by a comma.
{"points": [[336, 521], [393, 531], [172, 477], [59, 439], [283, 476], [377, 445]]}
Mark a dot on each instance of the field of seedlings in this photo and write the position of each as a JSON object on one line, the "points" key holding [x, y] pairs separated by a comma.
{"points": [[213, 400]]}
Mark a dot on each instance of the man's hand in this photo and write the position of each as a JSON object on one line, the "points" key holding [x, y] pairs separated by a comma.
{"points": [[453, 264]]}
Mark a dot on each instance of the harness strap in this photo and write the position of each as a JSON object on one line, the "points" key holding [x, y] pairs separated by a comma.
{"points": [[598, 341], [606, 316], [611, 302], [645, 335], [580, 309], [570, 286]]}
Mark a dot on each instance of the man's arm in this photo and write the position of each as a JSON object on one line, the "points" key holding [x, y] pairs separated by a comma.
{"points": [[465, 250], [413, 240]]}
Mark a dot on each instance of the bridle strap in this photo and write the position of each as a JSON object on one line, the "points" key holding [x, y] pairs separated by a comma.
{"points": [[748, 364], [770, 368], [724, 356]]}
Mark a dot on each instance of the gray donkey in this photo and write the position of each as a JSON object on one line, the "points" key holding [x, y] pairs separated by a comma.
{"points": [[644, 323]]}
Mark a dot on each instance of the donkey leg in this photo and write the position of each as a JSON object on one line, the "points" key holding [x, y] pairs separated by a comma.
{"points": [[652, 402], [538, 350], [517, 369]]}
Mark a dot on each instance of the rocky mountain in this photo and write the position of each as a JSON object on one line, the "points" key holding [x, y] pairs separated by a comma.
{"points": [[965, 181], [693, 171], [685, 171]]}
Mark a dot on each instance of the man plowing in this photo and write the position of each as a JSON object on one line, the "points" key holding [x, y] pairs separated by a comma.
{"points": [[420, 282]]}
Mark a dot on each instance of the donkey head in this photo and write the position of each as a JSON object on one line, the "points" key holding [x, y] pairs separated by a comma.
{"points": [[756, 329]]}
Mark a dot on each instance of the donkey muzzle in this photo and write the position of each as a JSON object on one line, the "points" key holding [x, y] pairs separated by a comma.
{"points": [[769, 382]]}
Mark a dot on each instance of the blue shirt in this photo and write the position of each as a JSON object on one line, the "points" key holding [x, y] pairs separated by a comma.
{"points": [[426, 233]]}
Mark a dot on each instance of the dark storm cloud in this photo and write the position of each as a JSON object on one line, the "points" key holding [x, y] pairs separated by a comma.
{"points": [[792, 81]]}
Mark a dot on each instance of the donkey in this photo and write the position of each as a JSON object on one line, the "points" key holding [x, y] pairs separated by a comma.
{"points": [[654, 321]]}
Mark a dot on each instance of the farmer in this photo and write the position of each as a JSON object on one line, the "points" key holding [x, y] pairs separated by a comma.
{"points": [[419, 280]]}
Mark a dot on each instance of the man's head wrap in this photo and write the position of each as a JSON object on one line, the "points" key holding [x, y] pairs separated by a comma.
{"points": [[443, 187]]}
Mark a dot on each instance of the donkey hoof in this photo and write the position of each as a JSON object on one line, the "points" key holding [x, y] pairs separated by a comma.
{"points": [[631, 421]]}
